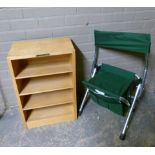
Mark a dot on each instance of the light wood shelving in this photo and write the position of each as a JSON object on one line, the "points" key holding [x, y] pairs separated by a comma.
{"points": [[48, 99], [52, 114], [46, 84], [45, 66], [43, 75]]}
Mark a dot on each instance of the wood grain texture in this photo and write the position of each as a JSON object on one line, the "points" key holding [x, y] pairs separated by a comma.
{"points": [[16, 92], [50, 115], [43, 74], [32, 48], [47, 83], [47, 67], [49, 99]]}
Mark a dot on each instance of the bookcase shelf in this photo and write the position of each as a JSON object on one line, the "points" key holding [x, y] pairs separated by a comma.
{"points": [[48, 99], [54, 114], [46, 84], [43, 75], [45, 66]]}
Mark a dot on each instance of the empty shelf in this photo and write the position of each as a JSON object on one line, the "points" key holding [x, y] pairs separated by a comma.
{"points": [[47, 83], [50, 68], [50, 115], [49, 99]]}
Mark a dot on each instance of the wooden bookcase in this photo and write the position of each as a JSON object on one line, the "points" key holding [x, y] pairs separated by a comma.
{"points": [[43, 75]]}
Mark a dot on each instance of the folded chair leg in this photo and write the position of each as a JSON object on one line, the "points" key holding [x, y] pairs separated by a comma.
{"points": [[83, 102], [86, 94], [123, 133]]}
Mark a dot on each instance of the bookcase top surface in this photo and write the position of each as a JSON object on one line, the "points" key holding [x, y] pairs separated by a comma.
{"points": [[40, 47]]}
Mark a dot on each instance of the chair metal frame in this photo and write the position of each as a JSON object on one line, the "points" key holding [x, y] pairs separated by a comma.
{"points": [[136, 97]]}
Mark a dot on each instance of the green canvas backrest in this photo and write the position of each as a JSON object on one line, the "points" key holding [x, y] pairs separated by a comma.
{"points": [[124, 41]]}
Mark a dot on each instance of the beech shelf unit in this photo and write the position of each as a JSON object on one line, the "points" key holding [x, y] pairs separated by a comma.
{"points": [[44, 77]]}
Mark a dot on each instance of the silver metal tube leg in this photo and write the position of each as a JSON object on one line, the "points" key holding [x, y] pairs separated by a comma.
{"points": [[86, 94], [122, 136], [83, 101]]}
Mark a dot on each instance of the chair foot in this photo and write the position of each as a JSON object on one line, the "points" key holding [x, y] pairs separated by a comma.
{"points": [[122, 136]]}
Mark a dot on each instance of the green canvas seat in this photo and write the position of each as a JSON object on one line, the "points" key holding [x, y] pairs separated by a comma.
{"points": [[115, 83]]}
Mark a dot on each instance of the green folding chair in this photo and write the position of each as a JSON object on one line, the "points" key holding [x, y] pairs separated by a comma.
{"points": [[112, 87]]}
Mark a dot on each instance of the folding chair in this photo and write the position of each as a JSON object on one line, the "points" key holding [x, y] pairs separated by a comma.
{"points": [[112, 87]]}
